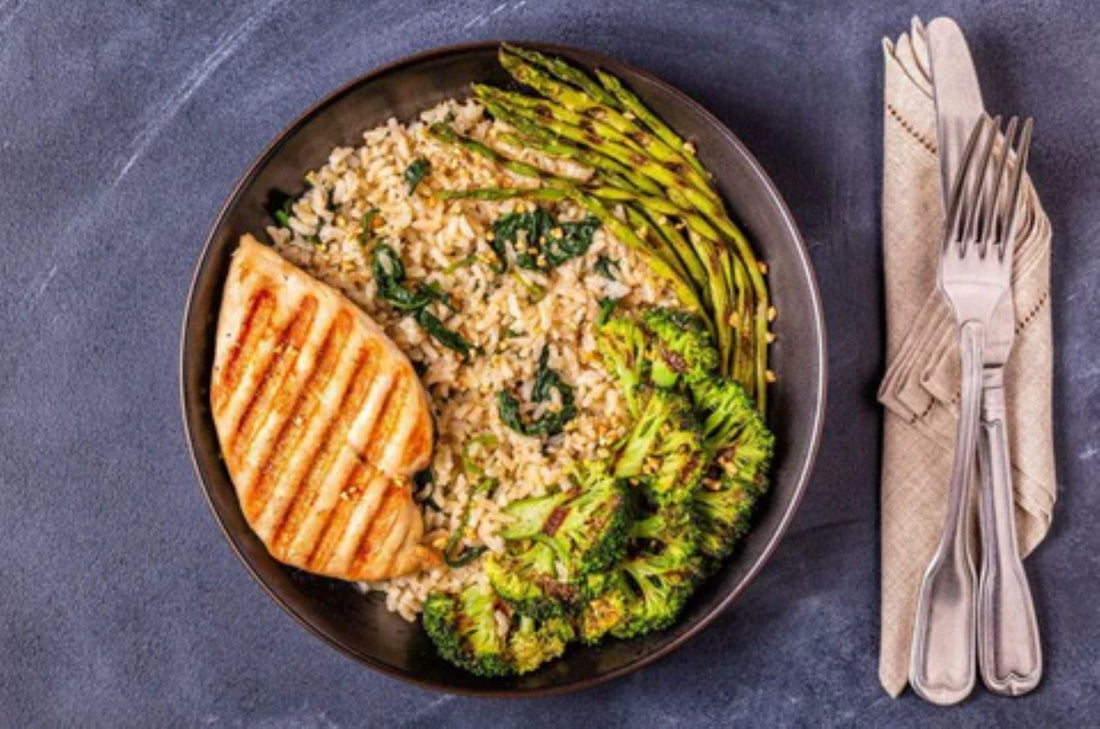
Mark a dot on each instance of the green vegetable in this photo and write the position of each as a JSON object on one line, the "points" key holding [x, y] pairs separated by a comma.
{"points": [[622, 346], [389, 273], [563, 71], [680, 347], [628, 101], [607, 305], [540, 243], [558, 545], [532, 643], [416, 172], [453, 555], [282, 215], [664, 452], [662, 572], [722, 511], [367, 225], [549, 423], [425, 489], [604, 265], [463, 628], [460, 263], [569, 106], [606, 610], [486, 440], [446, 133]]}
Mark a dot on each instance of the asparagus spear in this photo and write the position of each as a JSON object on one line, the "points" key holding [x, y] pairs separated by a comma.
{"points": [[633, 105], [625, 130], [547, 194], [600, 163], [446, 133], [744, 365], [624, 233], [565, 72], [645, 231]]}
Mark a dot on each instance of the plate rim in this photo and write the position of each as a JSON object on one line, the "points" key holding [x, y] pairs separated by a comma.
{"points": [[820, 354]]}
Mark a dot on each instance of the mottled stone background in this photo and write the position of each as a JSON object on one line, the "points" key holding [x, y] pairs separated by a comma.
{"points": [[123, 125]]}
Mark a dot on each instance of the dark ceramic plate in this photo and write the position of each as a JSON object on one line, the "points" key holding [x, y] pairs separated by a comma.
{"points": [[359, 625]]}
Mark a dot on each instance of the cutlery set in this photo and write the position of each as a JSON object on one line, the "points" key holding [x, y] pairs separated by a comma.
{"points": [[971, 621]]}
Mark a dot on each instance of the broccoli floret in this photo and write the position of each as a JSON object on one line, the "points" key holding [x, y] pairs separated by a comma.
{"points": [[464, 630], [585, 527], [622, 345], [532, 643], [641, 441], [664, 452], [605, 609], [725, 409], [678, 461], [662, 571], [527, 517], [735, 431], [738, 473], [681, 347], [527, 579], [722, 510], [555, 542], [749, 458]]}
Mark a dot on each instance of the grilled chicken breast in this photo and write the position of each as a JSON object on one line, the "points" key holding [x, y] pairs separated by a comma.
{"points": [[322, 422]]}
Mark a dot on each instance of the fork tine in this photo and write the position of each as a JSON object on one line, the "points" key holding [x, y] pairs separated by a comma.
{"points": [[976, 192], [1008, 229], [994, 188], [955, 216]]}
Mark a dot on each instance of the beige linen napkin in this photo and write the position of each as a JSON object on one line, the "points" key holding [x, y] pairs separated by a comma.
{"points": [[920, 388]]}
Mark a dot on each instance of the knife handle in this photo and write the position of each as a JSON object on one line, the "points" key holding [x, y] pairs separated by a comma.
{"points": [[1009, 650]]}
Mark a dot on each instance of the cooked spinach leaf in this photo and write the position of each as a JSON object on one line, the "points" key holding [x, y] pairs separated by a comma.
{"points": [[604, 265], [453, 555], [425, 489], [546, 381], [368, 224], [607, 306], [282, 215], [389, 273], [415, 172], [539, 242]]}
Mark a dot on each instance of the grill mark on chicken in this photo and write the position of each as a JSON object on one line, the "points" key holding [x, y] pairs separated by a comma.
{"points": [[333, 530], [303, 403], [339, 517], [252, 327], [331, 441], [382, 524], [288, 346]]}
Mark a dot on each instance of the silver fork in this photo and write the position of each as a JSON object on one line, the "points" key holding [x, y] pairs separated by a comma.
{"points": [[975, 266]]}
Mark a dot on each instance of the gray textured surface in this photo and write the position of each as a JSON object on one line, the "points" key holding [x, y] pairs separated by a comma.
{"points": [[122, 128]]}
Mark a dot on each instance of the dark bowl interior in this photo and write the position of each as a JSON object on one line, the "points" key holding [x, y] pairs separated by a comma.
{"points": [[359, 625]]}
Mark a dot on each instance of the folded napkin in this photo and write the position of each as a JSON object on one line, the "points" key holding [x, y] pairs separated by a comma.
{"points": [[921, 385]]}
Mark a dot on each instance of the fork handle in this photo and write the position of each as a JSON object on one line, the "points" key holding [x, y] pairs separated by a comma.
{"points": [[942, 659], [1009, 649]]}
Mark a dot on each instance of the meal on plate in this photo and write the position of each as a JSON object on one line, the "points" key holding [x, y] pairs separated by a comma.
{"points": [[506, 364]]}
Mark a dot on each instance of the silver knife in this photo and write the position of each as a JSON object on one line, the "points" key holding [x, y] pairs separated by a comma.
{"points": [[1008, 646], [958, 96]]}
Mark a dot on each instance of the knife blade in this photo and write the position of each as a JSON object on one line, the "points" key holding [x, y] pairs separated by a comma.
{"points": [[958, 95]]}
